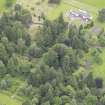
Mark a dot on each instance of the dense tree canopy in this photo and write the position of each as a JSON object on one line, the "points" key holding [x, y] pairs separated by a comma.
{"points": [[50, 65], [101, 15]]}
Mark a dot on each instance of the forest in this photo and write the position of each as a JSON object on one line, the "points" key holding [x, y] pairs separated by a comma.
{"points": [[51, 61]]}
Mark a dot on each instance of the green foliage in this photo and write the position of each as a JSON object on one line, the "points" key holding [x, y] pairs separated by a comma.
{"points": [[101, 15], [27, 102], [49, 66], [9, 3], [3, 69], [91, 100]]}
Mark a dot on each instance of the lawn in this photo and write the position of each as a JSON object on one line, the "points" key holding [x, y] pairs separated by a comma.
{"points": [[62, 8], [2, 3], [96, 3], [8, 100]]}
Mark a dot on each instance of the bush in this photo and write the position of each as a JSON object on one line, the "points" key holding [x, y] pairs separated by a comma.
{"points": [[9, 3], [101, 15]]}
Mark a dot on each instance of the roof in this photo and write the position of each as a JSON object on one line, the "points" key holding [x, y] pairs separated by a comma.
{"points": [[80, 14]]}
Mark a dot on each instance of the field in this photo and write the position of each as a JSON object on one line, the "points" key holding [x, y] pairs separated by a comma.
{"points": [[8, 100], [96, 3], [2, 2], [10, 96], [66, 5]]}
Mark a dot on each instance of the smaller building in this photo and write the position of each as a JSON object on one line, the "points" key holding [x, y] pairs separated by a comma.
{"points": [[81, 14]]}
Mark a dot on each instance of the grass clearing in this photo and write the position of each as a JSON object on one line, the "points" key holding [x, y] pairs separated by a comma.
{"points": [[2, 3], [9, 96], [62, 8], [67, 5], [8, 100], [95, 3]]}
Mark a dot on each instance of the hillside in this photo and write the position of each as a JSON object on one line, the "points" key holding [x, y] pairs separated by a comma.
{"points": [[52, 52]]}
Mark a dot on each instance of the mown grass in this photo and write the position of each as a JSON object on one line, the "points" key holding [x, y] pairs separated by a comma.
{"points": [[57, 10], [2, 4], [96, 3]]}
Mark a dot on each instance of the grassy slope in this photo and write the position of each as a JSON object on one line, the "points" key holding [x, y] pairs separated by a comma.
{"points": [[62, 8], [7, 100], [70, 4], [6, 96], [2, 2], [96, 3]]}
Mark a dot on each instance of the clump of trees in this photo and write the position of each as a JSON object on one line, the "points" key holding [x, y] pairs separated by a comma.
{"points": [[101, 15], [8, 3]]}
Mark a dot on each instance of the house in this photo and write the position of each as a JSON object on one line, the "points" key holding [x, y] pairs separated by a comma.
{"points": [[81, 14]]}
